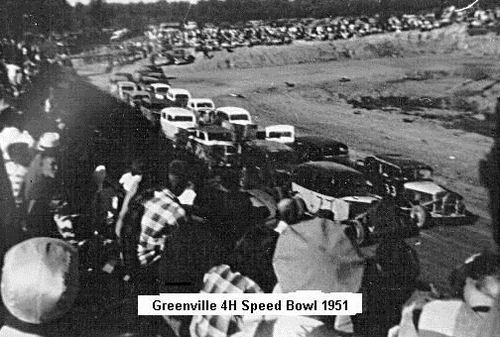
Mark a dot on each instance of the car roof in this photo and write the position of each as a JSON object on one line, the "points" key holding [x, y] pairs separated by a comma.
{"points": [[159, 84], [330, 167], [280, 127], [150, 79], [200, 100], [232, 110], [318, 141], [177, 111], [401, 161]]}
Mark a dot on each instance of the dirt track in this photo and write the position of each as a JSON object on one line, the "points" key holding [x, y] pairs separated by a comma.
{"points": [[315, 101]]}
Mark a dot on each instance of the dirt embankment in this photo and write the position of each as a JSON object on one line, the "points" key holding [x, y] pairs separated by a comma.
{"points": [[403, 44]]}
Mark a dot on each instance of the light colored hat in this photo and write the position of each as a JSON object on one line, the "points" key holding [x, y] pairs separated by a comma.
{"points": [[48, 141], [316, 254], [40, 279]]}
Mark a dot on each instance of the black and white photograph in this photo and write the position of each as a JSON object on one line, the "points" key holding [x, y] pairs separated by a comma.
{"points": [[166, 150]]}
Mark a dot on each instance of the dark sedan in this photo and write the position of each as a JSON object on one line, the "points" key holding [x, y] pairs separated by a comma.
{"points": [[316, 148]]}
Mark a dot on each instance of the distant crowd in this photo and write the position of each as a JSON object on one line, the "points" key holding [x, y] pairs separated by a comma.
{"points": [[213, 38]]}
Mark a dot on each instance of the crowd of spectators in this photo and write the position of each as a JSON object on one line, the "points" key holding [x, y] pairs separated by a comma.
{"points": [[175, 230]]}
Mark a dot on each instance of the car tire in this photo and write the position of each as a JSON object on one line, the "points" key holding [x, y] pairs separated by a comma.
{"points": [[420, 216]]}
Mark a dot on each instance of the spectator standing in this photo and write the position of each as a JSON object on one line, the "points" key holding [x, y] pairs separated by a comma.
{"points": [[45, 198], [50, 142], [163, 214]]}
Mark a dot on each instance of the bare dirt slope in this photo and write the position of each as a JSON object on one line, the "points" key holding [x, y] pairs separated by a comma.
{"points": [[452, 133]]}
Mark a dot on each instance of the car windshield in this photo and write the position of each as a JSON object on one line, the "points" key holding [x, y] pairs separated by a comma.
{"points": [[205, 105], [162, 90], [239, 117], [418, 174], [353, 186], [139, 97], [220, 136], [157, 106], [181, 97], [277, 134], [334, 150], [182, 119], [418, 196], [127, 88]]}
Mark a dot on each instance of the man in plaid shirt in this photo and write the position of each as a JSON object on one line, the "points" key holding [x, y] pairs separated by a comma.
{"points": [[162, 215]]}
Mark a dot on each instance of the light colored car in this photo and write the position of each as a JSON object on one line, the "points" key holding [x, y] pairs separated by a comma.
{"points": [[178, 97], [233, 115], [174, 119], [281, 133], [158, 90], [214, 145], [123, 88], [135, 98], [201, 104]]}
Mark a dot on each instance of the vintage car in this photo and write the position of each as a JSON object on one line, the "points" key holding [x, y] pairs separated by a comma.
{"points": [[214, 145], [160, 76], [158, 90], [200, 104], [273, 160], [135, 98], [151, 107], [316, 148], [178, 97], [410, 183], [173, 120], [232, 115], [125, 87], [146, 81], [120, 76], [333, 187], [280, 133]]}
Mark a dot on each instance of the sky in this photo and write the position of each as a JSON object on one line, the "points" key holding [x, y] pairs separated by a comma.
{"points": [[73, 2]]}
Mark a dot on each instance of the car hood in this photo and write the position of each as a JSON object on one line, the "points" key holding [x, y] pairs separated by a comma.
{"points": [[361, 199], [428, 187], [241, 122]]}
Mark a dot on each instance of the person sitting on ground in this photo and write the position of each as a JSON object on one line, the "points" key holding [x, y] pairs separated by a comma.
{"points": [[477, 284]]}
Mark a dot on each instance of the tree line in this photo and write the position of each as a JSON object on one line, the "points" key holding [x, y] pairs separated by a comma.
{"points": [[43, 16]]}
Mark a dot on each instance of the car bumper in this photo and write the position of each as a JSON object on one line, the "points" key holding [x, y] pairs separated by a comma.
{"points": [[466, 218]]}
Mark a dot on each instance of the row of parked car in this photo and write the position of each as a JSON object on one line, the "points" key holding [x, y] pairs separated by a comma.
{"points": [[317, 169]]}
